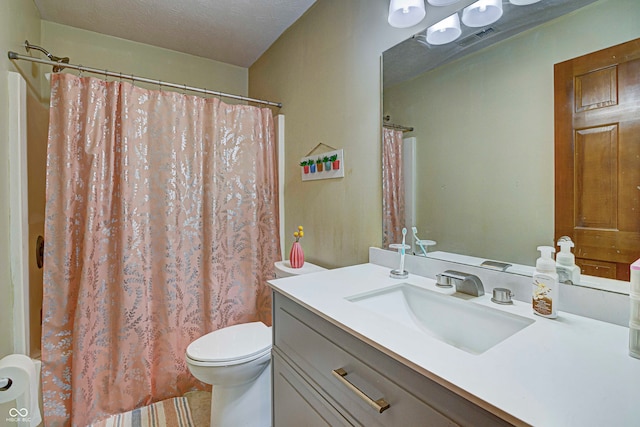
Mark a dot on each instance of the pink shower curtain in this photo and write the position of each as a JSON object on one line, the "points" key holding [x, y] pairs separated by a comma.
{"points": [[392, 187], [161, 226]]}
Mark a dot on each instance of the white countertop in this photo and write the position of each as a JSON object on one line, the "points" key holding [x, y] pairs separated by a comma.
{"points": [[571, 371]]}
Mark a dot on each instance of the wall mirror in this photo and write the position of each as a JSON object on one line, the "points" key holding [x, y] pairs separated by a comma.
{"points": [[482, 113]]}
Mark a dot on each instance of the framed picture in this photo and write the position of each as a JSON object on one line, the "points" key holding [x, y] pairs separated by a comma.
{"points": [[322, 166]]}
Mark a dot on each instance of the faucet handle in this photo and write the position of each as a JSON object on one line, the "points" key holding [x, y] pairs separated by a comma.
{"points": [[444, 281], [502, 296]]}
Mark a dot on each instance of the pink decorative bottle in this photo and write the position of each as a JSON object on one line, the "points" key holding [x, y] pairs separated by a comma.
{"points": [[296, 256]]}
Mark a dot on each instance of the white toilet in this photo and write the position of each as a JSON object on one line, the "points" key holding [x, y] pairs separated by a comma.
{"points": [[236, 361]]}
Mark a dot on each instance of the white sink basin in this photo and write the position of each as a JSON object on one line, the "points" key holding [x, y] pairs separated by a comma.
{"points": [[468, 326]]}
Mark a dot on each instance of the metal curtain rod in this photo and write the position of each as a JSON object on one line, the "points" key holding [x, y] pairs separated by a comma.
{"points": [[386, 122], [398, 127], [14, 55]]}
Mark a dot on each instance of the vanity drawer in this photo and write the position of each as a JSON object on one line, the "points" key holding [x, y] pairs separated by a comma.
{"points": [[317, 348], [297, 404]]}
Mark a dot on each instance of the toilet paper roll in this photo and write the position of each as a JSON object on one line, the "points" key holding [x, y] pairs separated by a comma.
{"points": [[21, 370]]}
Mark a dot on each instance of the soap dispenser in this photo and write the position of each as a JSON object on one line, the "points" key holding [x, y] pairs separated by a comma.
{"points": [[568, 271], [545, 284]]}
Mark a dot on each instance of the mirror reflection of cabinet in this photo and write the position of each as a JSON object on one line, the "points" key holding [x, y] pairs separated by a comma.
{"points": [[596, 268], [597, 158]]}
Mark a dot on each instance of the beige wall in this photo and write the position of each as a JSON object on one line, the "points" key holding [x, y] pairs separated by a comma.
{"points": [[120, 55], [326, 71], [484, 126], [37, 130], [19, 20]]}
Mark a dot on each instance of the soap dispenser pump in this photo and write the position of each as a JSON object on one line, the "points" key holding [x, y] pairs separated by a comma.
{"points": [[568, 271], [545, 284]]}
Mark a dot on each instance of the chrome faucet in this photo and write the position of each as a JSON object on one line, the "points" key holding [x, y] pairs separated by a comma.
{"points": [[465, 283]]}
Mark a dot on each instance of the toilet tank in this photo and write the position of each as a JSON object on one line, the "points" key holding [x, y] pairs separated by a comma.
{"points": [[284, 269]]}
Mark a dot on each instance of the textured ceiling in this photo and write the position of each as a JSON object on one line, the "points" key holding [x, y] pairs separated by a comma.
{"points": [[232, 31]]}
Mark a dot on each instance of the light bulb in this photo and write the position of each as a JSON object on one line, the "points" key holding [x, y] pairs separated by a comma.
{"points": [[444, 31], [406, 13], [482, 13]]}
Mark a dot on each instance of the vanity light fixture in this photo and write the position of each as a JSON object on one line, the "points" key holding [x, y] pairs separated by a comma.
{"points": [[445, 2], [523, 2], [406, 13], [445, 31], [482, 13]]}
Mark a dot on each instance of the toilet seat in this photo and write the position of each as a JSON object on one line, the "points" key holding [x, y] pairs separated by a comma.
{"points": [[232, 345]]}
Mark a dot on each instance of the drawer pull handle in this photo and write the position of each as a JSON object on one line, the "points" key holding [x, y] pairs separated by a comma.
{"points": [[379, 405]]}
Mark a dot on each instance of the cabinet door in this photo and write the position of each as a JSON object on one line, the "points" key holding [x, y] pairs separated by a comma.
{"points": [[597, 158], [296, 404]]}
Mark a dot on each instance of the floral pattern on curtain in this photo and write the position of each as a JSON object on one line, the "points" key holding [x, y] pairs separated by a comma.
{"points": [[392, 187], [161, 226]]}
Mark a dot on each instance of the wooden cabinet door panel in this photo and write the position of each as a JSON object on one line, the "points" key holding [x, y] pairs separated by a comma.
{"points": [[597, 268], [597, 156]]}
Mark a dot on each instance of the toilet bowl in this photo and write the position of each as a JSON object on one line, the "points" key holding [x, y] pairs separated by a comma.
{"points": [[236, 361]]}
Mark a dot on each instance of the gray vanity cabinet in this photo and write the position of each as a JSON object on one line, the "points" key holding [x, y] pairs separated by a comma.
{"points": [[298, 403], [323, 375]]}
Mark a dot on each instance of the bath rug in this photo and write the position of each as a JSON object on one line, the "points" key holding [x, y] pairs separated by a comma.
{"points": [[167, 413]]}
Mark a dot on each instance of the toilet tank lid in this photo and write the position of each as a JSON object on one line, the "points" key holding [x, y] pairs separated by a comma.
{"points": [[235, 342], [284, 269]]}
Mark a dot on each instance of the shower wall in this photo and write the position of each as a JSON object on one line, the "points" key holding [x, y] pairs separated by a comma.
{"points": [[37, 128], [19, 21]]}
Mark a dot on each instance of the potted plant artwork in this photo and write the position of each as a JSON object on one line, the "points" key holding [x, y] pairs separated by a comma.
{"points": [[305, 166], [296, 256], [330, 161], [327, 163], [334, 161]]}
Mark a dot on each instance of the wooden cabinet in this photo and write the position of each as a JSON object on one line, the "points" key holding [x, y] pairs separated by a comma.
{"points": [[597, 158], [323, 375]]}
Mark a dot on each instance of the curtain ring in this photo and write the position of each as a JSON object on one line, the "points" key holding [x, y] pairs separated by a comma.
{"points": [[160, 85], [80, 71], [184, 91], [120, 76], [105, 75]]}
